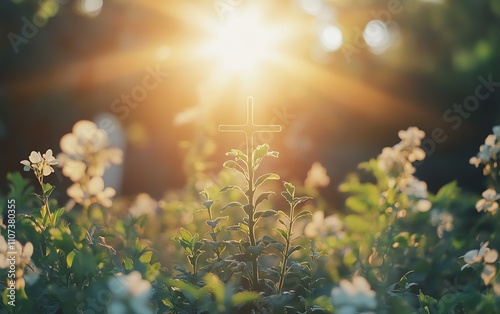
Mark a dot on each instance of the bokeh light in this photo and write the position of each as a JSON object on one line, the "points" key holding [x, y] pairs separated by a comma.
{"points": [[91, 7], [331, 38], [311, 6], [376, 35]]}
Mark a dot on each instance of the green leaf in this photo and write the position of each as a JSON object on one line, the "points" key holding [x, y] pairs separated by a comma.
{"points": [[448, 302], [302, 199], [356, 223], [239, 227], [303, 213], [264, 214], [69, 258], [208, 204], [427, 302], [214, 284], [265, 177], [241, 298], [231, 164], [293, 249], [128, 263], [238, 154], [232, 187], [287, 196], [356, 204], [215, 222], [186, 235], [289, 188], [244, 227], [57, 214], [248, 208], [283, 233], [260, 151], [232, 204], [47, 189], [255, 250], [146, 257], [403, 282], [278, 246], [190, 291], [263, 196]]}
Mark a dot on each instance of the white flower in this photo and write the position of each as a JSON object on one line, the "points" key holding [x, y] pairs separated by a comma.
{"points": [[390, 160], [476, 256], [74, 169], [443, 220], [417, 154], [487, 151], [86, 151], [488, 273], [486, 256], [490, 140], [41, 164], [323, 227], [489, 201], [316, 176], [397, 161], [416, 188], [129, 292], [143, 205], [354, 297], [92, 192], [22, 259], [412, 137], [24, 253]]}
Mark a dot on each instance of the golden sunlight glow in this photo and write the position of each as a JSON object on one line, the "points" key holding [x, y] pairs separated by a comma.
{"points": [[242, 43]]}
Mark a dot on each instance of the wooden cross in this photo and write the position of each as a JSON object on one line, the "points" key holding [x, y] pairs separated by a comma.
{"points": [[250, 128]]}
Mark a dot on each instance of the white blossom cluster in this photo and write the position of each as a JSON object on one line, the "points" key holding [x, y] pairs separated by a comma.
{"points": [[41, 164], [488, 157], [25, 270], [397, 163], [485, 256], [129, 294], [86, 153], [354, 297]]}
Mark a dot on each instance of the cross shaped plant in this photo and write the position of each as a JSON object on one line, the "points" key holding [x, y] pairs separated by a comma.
{"points": [[238, 261]]}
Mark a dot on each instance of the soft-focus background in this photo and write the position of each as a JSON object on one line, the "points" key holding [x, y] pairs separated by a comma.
{"points": [[341, 77]]}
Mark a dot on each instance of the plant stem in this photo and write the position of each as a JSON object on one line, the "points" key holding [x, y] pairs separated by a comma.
{"points": [[285, 253], [45, 197], [251, 221]]}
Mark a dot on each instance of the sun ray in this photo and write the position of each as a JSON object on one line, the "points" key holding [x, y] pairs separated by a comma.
{"points": [[360, 97]]}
